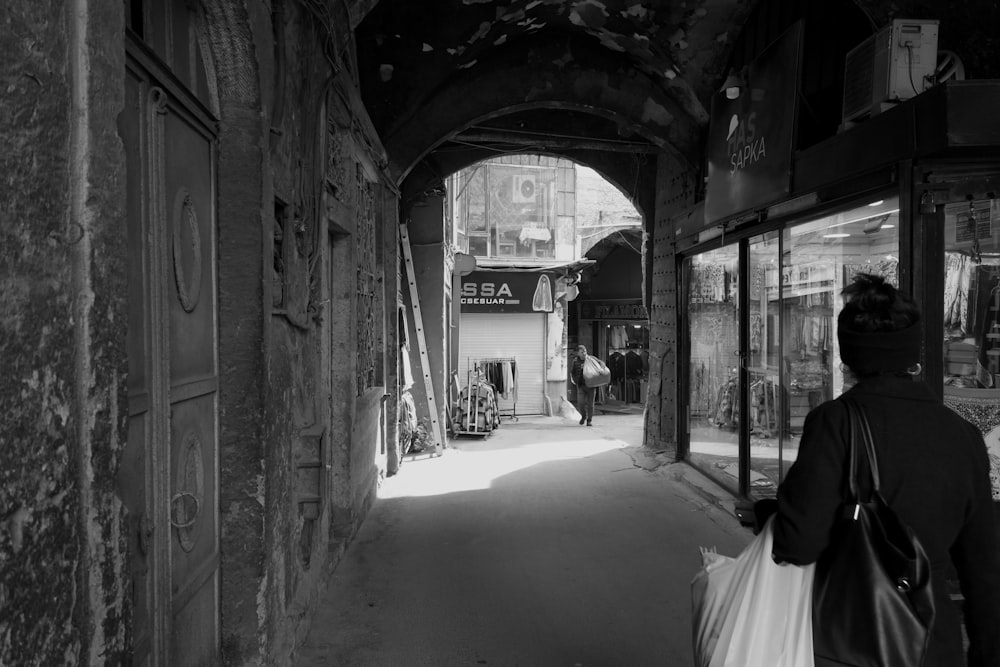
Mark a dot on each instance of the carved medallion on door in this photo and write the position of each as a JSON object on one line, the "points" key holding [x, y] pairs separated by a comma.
{"points": [[186, 250]]}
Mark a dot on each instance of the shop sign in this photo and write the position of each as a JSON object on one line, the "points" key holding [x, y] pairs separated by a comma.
{"points": [[751, 138], [597, 310], [973, 221], [507, 292]]}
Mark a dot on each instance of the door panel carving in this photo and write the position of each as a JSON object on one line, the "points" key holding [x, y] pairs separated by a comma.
{"points": [[189, 190]]}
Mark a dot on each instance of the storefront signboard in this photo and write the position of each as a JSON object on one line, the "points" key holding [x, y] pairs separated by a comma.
{"points": [[613, 310], [751, 138], [507, 292]]}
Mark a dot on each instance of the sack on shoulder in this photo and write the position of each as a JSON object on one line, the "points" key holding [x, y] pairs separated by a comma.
{"points": [[872, 599], [595, 372]]}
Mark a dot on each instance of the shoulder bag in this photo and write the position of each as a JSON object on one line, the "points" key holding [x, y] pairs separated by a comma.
{"points": [[872, 601]]}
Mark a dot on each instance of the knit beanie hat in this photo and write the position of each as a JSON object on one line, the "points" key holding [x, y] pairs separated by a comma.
{"points": [[867, 352]]}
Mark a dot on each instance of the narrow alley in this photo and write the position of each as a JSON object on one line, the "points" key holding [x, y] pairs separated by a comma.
{"points": [[254, 251], [544, 544]]}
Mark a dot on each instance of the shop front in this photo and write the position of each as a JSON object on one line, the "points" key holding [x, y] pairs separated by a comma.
{"points": [[761, 330], [503, 336], [910, 194], [619, 331], [612, 320]]}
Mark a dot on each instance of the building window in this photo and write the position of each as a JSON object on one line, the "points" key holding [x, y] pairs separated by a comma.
{"points": [[506, 210]]}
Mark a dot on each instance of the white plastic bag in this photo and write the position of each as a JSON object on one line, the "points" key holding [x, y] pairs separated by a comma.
{"points": [[750, 612], [567, 410]]}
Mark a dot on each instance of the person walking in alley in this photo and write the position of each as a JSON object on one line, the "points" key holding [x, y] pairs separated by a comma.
{"points": [[932, 464], [584, 394]]}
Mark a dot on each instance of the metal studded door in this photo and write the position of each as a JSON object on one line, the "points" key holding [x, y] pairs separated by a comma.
{"points": [[170, 483]]}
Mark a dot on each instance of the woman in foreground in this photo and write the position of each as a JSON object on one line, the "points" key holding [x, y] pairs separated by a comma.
{"points": [[933, 465]]}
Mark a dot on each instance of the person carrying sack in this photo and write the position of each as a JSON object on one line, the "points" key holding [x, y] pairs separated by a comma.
{"points": [[587, 373], [919, 469]]}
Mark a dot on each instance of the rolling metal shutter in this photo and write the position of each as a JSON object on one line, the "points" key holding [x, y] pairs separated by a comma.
{"points": [[517, 335]]}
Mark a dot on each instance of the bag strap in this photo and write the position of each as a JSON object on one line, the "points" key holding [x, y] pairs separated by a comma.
{"points": [[861, 430]]}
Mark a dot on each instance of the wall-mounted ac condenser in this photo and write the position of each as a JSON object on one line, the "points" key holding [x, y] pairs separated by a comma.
{"points": [[523, 189], [894, 64]]}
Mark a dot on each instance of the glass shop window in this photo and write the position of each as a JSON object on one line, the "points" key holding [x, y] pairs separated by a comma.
{"points": [[972, 320], [972, 295], [794, 279], [820, 258]]}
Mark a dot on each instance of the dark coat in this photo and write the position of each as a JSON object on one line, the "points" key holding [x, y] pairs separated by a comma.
{"points": [[934, 474], [576, 370]]}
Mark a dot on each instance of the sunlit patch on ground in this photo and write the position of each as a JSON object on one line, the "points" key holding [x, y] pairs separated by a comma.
{"points": [[471, 463]]}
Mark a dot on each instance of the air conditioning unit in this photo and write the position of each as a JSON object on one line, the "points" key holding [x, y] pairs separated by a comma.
{"points": [[523, 189], [894, 64]]}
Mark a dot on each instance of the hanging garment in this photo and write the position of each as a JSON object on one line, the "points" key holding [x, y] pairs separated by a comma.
{"points": [[619, 337], [508, 378], [956, 293], [498, 379], [407, 370], [755, 332], [542, 301], [616, 363], [988, 319], [491, 373], [513, 383], [633, 364]]}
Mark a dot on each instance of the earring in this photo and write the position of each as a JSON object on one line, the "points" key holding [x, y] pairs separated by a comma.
{"points": [[915, 369]]}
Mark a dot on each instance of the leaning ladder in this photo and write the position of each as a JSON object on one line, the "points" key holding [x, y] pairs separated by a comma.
{"points": [[418, 321]]}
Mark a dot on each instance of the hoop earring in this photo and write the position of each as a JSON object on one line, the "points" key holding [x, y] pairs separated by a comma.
{"points": [[915, 369]]}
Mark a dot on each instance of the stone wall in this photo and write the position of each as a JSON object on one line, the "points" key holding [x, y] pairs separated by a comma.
{"points": [[286, 191], [62, 322], [674, 193], [324, 445], [426, 231]]}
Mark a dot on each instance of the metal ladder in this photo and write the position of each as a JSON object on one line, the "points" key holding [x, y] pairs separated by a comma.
{"points": [[418, 321]]}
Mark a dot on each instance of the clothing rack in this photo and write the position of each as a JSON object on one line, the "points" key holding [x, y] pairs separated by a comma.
{"points": [[483, 367]]}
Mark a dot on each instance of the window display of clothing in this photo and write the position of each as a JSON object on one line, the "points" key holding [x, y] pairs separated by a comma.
{"points": [[628, 369], [618, 337]]}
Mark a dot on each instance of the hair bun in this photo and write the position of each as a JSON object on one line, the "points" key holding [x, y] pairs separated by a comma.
{"points": [[872, 294]]}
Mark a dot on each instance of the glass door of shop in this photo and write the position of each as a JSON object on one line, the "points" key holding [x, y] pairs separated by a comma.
{"points": [[714, 348], [761, 338], [766, 402]]}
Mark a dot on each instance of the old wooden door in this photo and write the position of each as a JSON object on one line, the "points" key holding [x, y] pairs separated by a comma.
{"points": [[169, 475]]}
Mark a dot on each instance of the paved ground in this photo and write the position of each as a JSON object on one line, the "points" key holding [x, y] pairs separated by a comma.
{"points": [[545, 544]]}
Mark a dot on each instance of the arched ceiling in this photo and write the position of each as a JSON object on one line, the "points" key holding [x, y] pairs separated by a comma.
{"points": [[631, 238], [561, 77], [450, 82]]}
